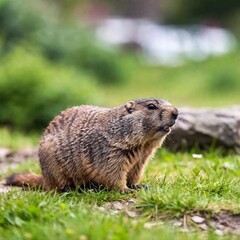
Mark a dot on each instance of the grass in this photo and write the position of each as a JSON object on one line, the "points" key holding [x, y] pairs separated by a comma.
{"points": [[197, 84], [50, 216], [179, 184], [193, 187], [16, 140]]}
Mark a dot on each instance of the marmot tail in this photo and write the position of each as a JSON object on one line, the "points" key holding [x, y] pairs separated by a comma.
{"points": [[31, 180]]}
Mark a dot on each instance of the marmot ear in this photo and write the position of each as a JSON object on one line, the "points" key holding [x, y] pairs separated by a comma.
{"points": [[129, 106]]}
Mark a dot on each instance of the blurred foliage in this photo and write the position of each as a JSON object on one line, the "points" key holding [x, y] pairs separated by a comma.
{"points": [[78, 48], [187, 11], [33, 90], [214, 82], [179, 12], [59, 41], [200, 12], [48, 64], [223, 82], [17, 22]]}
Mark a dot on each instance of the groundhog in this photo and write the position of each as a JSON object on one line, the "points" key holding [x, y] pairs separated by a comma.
{"points": [[108, 147]]}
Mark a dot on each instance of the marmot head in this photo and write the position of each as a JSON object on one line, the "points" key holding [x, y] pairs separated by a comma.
{"points": [[155, 117]]}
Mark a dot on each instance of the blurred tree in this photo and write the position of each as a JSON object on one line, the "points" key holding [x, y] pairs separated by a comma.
{"points": [[210, 12], [170, 11], [128, 8], [204, 11], [33, 90], [59, 40], [17, 22], [138, 8], [65, 6]]}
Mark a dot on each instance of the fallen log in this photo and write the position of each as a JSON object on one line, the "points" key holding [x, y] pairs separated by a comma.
{"points": [[205, 128]]}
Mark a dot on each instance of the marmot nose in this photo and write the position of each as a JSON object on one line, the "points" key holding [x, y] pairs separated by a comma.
{"points": [[174, 113]]}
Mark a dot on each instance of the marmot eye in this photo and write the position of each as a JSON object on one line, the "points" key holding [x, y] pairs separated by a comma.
{"points": [[151, 106]]}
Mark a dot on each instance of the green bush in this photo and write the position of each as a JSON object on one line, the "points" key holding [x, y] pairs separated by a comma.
{"points": [[78, 48], [59, 41], [17, 22], [100, 62], [33, 90]]}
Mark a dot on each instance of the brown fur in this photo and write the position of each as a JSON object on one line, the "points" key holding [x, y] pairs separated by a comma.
{"points": [[105, 146], [24, 180]]}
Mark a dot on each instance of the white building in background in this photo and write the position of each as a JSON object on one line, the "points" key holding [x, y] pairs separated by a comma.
{"points": [[167, 45]]}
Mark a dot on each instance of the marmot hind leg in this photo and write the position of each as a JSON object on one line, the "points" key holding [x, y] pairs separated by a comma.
{"points": [[57, 180]]}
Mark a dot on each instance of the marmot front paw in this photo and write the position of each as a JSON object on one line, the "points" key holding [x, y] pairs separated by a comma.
{"points": [[138, 186]]}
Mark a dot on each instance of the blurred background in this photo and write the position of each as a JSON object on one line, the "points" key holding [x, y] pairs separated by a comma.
{"points": [[58, 53]]}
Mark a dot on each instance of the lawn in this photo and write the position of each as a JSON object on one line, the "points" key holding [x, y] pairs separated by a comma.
{"points": [[181, 186], [214, 82]]}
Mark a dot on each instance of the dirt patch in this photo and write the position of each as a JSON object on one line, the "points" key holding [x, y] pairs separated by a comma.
{"points": [[226, 222], [221, 223], [10, 159], [4, 189], [123, 206]]}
